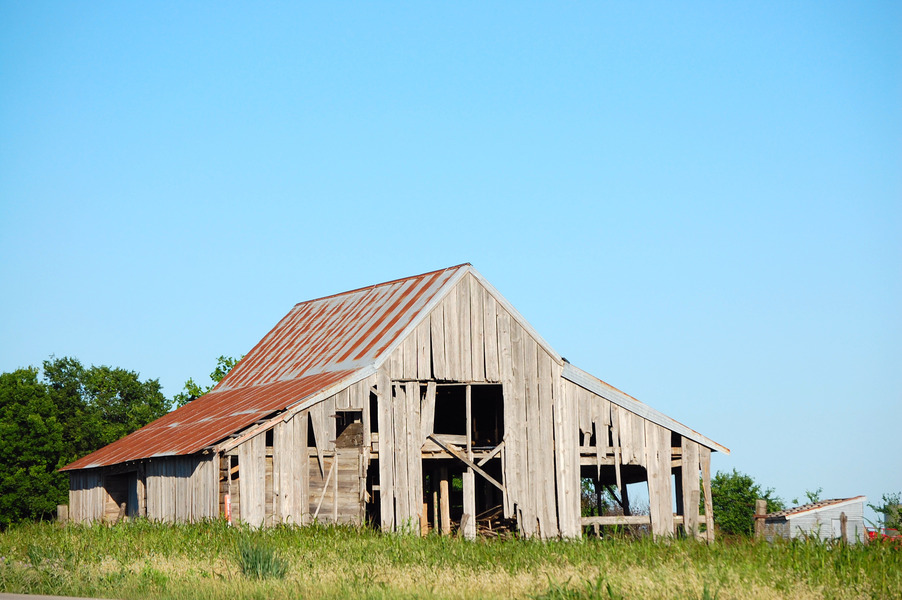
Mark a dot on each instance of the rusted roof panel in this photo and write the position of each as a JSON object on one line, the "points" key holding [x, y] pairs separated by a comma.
{"points": [[341, 332], [316, 345], [797, 510], [205, 421]]}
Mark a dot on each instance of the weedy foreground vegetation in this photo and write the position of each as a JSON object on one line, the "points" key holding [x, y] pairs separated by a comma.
{"points": [[212, 560]]}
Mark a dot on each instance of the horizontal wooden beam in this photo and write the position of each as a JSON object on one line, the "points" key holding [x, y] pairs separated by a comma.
{"points": [[618, 520]]}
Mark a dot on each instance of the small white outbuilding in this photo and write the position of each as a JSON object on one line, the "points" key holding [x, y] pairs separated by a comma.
{"points": [[822, 519]]}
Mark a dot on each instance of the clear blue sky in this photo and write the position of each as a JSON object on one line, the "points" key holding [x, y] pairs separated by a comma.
{"points": [[699, 203]]}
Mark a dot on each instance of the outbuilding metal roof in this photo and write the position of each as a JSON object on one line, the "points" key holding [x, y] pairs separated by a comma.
{"points": [[816, 506], [318, 344]]}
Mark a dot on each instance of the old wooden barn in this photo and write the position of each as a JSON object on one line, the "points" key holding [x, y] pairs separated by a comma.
{"points": [[426, 403]]}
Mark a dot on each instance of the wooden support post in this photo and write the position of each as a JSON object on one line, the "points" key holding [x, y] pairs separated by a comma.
{"points": [[704, 459], [468, 522], [843, 528], [680, 503], [62, 513], [142, 490], [760, 515], [436, 524], [598, 495], [469, 423], [424, 520], [445, 502], [625, 500]]}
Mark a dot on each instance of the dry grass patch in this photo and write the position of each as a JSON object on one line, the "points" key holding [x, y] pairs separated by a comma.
{"points": [[145, 560]]}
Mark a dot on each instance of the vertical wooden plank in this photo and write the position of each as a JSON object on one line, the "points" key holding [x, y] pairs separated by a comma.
{"points": [[546, 437], [386, 451], [396, 363], [490, 337], [212, 493], [637, 428], [424, 346], [463, 313], [365, 387], [414, 454], [477, 336], [615, 437], [525, 357], [566, 438], [603, 426], [427, 414], [509, 455], [452, 337], [301, 469], [280, 464], [142, 490], [409, 346], [469, 489], [586, 410], [252, 483], [657, 441], [627, 448], [437, 340], [320, 435], [329, 421], [690, 486], [468, 410], [359, 395], [345, 396], [402, 475], [444, 500], [704, 458]]}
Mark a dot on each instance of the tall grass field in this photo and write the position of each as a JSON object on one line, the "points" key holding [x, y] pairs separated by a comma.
{"points": [[213, 560]]}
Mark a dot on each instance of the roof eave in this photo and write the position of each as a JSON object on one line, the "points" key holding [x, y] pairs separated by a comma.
{"points": [[594, 385]]}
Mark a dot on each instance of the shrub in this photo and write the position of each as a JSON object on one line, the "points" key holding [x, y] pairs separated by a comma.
{"points": [[259, 561]]}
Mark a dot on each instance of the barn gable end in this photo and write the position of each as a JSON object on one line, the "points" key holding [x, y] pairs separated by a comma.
{"points": [[424, 403]]}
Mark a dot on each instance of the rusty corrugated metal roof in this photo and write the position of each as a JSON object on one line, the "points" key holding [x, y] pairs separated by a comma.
{"points": [[316, 345]]}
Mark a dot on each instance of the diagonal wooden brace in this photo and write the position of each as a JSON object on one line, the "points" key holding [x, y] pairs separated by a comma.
{"points": [[457, 454]]}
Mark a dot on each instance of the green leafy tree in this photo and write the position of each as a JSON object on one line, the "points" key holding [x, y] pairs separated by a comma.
{"points": [[814, 496], [45, 423], [891, 509], [101, 404], [733, 496], [31, 449], [193, 391]]}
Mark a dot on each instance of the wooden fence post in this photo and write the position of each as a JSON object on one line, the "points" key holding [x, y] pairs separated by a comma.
{"points": [[843, 527], [760, 515]]}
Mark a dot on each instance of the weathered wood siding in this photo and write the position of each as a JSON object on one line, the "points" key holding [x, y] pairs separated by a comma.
{"points": [[86, 496], [291, 471], [472, 338], [182, 488], [612, 435], [335, 497], [459, 340]]}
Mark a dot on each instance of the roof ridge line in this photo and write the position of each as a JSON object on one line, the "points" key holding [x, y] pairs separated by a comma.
{"points": [[412, 325], [375, 285]]}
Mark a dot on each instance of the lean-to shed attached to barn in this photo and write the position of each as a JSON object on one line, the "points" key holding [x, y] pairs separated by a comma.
{"points": [[422, 403]]}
